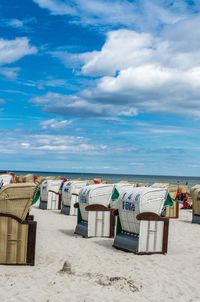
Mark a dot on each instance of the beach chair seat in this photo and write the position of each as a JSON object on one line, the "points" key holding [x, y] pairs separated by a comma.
{"points": [[17, 227]]}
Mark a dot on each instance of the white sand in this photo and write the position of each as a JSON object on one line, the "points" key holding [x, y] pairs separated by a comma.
{"points": [[173, 277]]}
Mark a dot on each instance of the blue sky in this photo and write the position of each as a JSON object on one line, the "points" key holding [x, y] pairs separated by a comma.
{"points": [[100, 86]]}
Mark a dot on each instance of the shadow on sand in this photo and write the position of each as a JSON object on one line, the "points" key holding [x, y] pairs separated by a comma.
{"points": [[107, 243], [69, 233]]}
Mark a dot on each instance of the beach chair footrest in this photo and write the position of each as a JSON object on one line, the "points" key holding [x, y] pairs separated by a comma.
{"points": [[126, 242], [43, 205], [82, 229], [65, 210]]}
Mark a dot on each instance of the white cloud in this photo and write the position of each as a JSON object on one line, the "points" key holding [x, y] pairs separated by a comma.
{"points": [[55, 124], [57, 7], [123, 48], [119, 13], [141, 72], [13, 50], [52, 83], [91, 11], [44, 144], [10, 73], [74, 105], [151, 65], [15, 23]]}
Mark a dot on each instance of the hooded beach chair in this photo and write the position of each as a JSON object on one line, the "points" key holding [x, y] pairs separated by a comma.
{"points": [[95, 207], [195, 195], [17, 227], [70, 193], [140, 228], [50, 197]]}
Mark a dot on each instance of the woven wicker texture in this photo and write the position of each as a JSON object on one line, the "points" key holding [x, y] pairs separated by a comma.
{"points": [[172, 189], [16, 199], [195, 195]]}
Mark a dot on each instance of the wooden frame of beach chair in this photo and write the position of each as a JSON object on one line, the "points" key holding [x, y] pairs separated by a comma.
{"points": [[17, 240], [152, 237], [101, 222]]}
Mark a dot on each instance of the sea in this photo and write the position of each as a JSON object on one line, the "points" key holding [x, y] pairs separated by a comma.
{"points": [[113, 178]]}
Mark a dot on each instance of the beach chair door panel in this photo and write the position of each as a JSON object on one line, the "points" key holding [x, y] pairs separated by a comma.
{"points": [[151, 236], [99, 224], [13, 241], [52, 203]]}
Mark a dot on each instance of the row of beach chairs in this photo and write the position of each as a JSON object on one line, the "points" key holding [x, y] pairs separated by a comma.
{"points": [[132, 215]]}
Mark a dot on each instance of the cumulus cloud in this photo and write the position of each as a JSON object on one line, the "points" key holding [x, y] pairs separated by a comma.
{"points": [[140, 68], [13, 50], [143, 72]]}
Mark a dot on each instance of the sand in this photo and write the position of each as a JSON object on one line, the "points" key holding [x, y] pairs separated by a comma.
{"points": [[101, 273]]}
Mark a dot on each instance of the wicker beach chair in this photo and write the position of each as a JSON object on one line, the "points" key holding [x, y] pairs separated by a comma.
{"points": [[195, 195], [17, 227]]}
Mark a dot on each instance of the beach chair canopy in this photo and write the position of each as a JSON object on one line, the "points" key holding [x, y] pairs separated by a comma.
{"points": [[137, 201], [118, 190], [16, 199], [172, 188], [47, 185], [71, 187], [94, 194]]}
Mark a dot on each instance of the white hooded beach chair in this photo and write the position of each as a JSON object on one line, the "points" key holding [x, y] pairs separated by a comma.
{"points": [[70, 193], [50, 197], [95, 217], [140, 228], [17, 227]]}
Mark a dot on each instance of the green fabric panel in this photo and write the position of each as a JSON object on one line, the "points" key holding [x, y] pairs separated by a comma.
{"points": [[79, 218], [115, 195], [168, 201], [36, 197], [119, 226]]}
